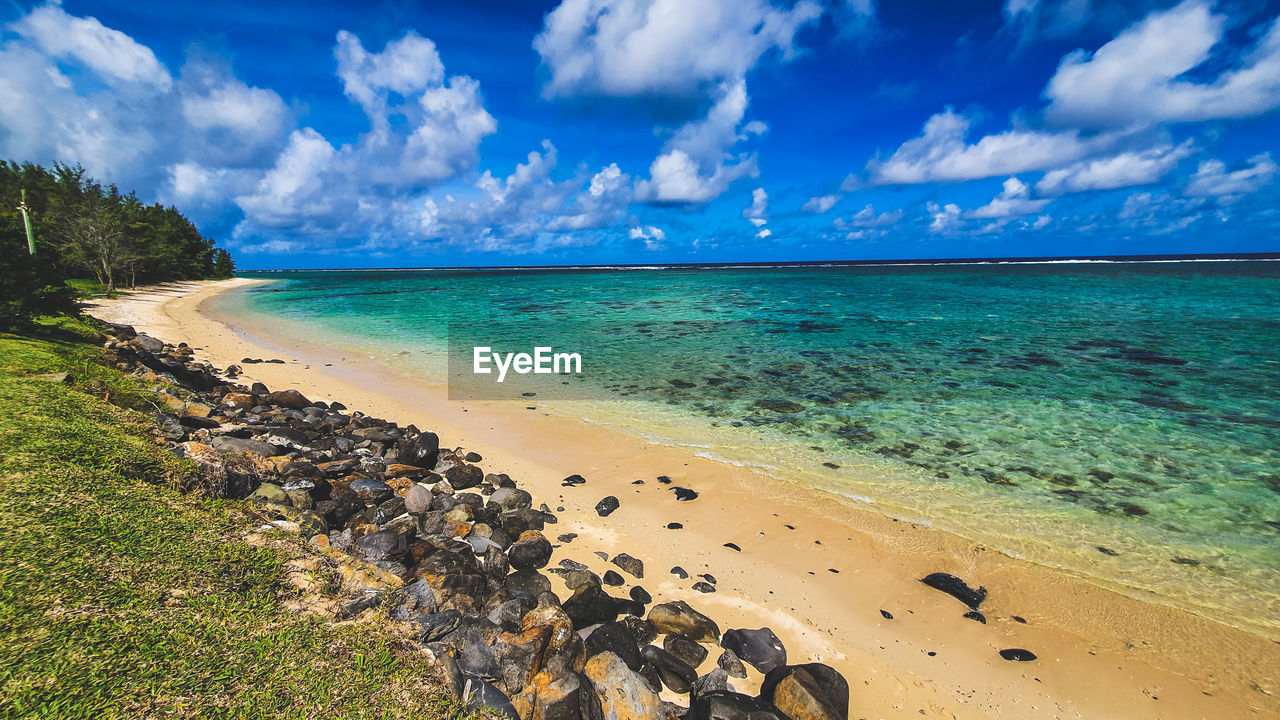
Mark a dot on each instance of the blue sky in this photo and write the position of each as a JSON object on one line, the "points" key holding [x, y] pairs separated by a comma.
{"points": [[603, 131]]}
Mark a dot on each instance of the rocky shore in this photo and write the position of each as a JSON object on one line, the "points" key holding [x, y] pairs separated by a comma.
{"points": [[464, 559]]}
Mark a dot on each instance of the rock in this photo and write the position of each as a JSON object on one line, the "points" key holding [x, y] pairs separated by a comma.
{"points": [[676, 674], [615, 638], [531, 551], [371, 491], [567, 537], [621, 692], [437, 626], [975, 616], [591, 605], [479, 693], [476, 658], [730, 663], [1018, 655], [508, 498], [420, 450], [687, 650], [606, 506], [812, 691], [508, 616], [417, 499], [495, 563], [289, 398], [228, 444], [573, 480], [381, 545], [516, 522], [640, 595], [679, 572], [642, 630], [462, 477], [552, 697], [725, 705], [396, 470], [886, 614], [678, 618], [629, 564], [684, 494], [148, 343], [715, 681], [956, 588], [527, 583], [269, 493], [703, 587], [759, 648], [613, 579]]}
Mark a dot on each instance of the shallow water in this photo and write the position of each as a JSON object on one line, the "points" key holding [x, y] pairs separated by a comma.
{"points": [[1120, 420]]}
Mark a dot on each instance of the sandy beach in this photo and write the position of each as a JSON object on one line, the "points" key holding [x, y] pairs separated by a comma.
{"points": [[821, 573]]}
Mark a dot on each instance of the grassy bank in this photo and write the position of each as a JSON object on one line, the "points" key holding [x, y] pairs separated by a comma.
{"points": [[121, 596]]}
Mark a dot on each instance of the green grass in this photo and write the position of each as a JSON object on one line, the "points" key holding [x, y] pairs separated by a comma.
{"points": [[89, 288], [120, 596]]}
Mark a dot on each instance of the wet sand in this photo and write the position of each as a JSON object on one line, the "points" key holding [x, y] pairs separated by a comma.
{"points": [[821, 586]]}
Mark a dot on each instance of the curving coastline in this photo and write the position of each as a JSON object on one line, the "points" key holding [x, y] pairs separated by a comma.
{"points": [[924, 658]]}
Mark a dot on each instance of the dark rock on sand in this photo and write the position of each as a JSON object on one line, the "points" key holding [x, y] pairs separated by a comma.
{"points": [[715, 681], [642, 630], [812, 691], [687, 650], [567, 537], [703, 587], [290, 399], [679, 572], [684, 494], [676, 674], [606, 506], [675, 526], [1018, 655], [615, 638], [724, 705], [733, 546], [629, 564], [640, 595], [730, 663], [420, 450], [664, 479], [527, 583], [573, 480], [678, 618], [956, 588], [975, 616], [759, 648], [886, 614], [591, 605], [612, 578], [531, 551], [464, 476]]}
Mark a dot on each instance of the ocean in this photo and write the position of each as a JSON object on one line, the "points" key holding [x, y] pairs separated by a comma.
{"points": [[1118, 420]]}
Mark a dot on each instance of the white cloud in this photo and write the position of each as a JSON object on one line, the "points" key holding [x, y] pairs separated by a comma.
{"points": [[1014, 199], [1213, 178], [1139, 77], [941, 153], [867, 218], [759, 207], [653, 237], [764, 233], [1041, 222], [115, 56], [820, 204], [1126, 169], [945, 218], [407, 66], [630, 48]]}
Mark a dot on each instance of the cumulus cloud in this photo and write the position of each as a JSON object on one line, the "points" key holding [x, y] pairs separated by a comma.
{"points": [[943, 218], [766, 232], [1140, 76], [820, 204], [113, 55], [867, 218], [942, 154], [1213, 178], [1126, 169], [758, 211], [629, 48], [1014, 199], [653, 237]]}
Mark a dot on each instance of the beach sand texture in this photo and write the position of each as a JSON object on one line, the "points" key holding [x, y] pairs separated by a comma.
{"points": [[818, 571]]}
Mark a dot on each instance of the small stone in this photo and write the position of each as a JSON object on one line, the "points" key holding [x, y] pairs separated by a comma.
{"points": [[703, 587], [629, 564], [730, 663], [1018, 655], [605, 507], [612, 578]]}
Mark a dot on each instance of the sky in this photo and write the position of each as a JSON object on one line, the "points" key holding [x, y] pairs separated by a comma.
{"points": [[401, 134]]}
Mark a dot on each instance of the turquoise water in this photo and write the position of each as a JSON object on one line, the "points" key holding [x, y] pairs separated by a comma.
{"points": [[1048, 410]]}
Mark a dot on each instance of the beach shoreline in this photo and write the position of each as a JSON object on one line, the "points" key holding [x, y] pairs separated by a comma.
{"points": [[820, 586]]}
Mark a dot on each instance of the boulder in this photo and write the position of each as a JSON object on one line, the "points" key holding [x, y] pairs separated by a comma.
{"points": [[621, 692], [725, 705], [715, 681], [371, 491], [676, 674], [527, 583], [629, 564], [552, 697], [956, 588], [509, 498], [606, 506], [381, 545], [759, 648], [417, 499], [269, 493], [590, 605], [228, 444], [531, 551], [420, 450], [478, 693], [148, 343], [615, 638], [289, 398], [678, 618], [812, 691], [730, 663], [462, 477], [685, 649]]}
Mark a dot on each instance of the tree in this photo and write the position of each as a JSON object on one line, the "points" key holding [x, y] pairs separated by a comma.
{"points": [[96, 239], [223, 265]]}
